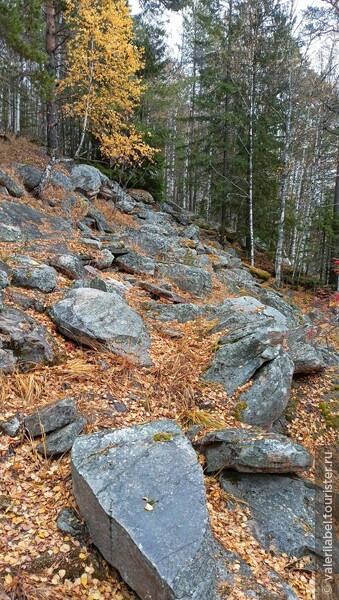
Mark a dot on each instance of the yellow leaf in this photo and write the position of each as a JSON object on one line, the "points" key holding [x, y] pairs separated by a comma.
{"points": [[84, 580], [8, 579]]}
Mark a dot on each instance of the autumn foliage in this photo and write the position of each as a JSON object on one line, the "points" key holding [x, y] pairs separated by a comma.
{"points": [[101, 85]]}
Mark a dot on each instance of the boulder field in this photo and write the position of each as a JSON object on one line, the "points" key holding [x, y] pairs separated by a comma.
{"points": [[140, 489]]}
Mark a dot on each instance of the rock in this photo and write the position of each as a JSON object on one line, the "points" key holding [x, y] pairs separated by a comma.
{"points": [[164, 551], [68, 265], [103, 260], [31, 176], [26, 302], [191, 232], [11, 427], [282, 509], [8, 182], [141, 196], [23, 342], [21, 222], [153, 244], [263, 403], [293, 314], [252, 452], [42, 278], [177, 212], [4, 266], [96, 318], [91, 282], [4, 281], [86, 179], [234, 574], [3, 191], [91, 242], [190, 279], [136, 263], [62, 440], [193, 431], [242, 352], [59, 179], [306, 357], [68, 522], [100, 221], [50, 417], [161, 292]]}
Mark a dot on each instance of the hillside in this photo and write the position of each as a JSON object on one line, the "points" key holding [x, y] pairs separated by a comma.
{"points": [[131, 305]]}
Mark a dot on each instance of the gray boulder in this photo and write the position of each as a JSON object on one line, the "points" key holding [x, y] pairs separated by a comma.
{"points": [[148, 519], [97, 318], [42, 278], [12, 427], [23, 343], [306, 357], [103, 260], [31, 176], [4, 281], [99, 219], [177, 212], [282, 509], [50, 417], [59, 179], [21, 222], [90, 282], [62, 440], [252, 452], [265, 401], [194, 280], [68, 522], [242, 352], [153, 244], [12, 187], [234, 573], [136, 263], [68, 265], [86, 179]]}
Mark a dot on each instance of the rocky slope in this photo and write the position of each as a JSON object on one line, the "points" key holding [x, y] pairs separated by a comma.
{"points": [[115, 312]]}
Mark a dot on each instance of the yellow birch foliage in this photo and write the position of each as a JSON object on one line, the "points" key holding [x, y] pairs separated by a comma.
{"points": [[101, 83]]}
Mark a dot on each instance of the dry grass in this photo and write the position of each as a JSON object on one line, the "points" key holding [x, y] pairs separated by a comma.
{"points": [[113, 215], [23, 151]]}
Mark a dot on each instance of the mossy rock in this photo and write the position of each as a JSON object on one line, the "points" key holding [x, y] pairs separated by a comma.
{"points": [[260, 273], [238, 410], [162, 437]]}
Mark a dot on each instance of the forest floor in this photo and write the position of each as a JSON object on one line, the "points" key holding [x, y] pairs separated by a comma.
{"points": [[37, 561]]}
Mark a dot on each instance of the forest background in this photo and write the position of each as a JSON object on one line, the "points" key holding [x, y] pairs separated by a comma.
{"points": [[240, 126]]}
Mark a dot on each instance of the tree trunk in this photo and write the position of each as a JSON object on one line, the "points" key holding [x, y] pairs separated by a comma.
{"points": [[51, 105]]}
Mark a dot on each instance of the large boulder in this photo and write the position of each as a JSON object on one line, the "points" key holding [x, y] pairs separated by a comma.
{"points": [[241, 353], [86, 179], [136, 263], [153, 244], [97, 318], [23, 343], [194, 280], [21, 222], [148, 519], [30, 175], [252, 452], [11, 185], [40, 277], [69, 265], [282, 509], [265, 401]]}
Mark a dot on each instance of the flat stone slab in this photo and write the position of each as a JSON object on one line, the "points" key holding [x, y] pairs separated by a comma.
{"points": [[141, 492], [252, 452], [50, 417], [282, 508], [62, 440], [97, 318]]}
